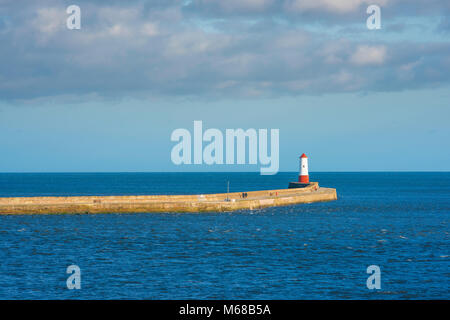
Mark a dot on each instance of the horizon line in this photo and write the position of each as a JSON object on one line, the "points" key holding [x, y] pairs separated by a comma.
{"points": [[94, 172]]}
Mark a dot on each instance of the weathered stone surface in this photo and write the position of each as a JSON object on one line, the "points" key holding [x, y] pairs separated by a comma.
{"points": [[166, 203]]}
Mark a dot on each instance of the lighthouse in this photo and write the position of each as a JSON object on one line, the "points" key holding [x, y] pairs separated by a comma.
{"points": [[303, 176]]}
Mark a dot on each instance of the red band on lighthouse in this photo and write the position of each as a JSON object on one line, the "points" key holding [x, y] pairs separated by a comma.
{"points": [[303, 176]]}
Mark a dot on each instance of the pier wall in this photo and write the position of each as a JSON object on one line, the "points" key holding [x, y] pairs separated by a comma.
{"points": [[166, 203]]}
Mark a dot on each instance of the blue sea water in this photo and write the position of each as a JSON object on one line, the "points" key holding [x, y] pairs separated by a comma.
{"points": [[397, 221]]}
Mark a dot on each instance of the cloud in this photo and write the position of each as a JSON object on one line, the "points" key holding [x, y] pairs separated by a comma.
{"points": [[343, 6], [444, 25], [319, 11], [236, 5], [369, 55], [164, 48], [48, 20]]}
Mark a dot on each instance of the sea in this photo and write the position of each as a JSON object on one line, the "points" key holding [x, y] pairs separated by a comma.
{"points": [[395, 221]]}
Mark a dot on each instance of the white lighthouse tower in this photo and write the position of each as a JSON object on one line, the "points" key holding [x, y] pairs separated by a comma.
{"points": [[303, 176]]}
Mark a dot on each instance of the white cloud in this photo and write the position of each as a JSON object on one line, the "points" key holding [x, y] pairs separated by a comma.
{"points": [[48, 22], [337, 6], [369, 55], [150, 29]]}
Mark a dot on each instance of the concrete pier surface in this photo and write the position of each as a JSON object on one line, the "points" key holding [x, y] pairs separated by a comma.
{"points": [[218, 202]]}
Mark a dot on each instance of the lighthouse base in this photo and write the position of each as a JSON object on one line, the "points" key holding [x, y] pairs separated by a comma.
{"points": [[293, 185]]}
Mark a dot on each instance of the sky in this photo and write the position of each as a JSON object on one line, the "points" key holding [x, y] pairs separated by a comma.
{"points": [[108, 96]]}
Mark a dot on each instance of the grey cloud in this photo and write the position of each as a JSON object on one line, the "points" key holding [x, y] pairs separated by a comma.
{"points": [[317, 11], [157, 48], [444, 25]]}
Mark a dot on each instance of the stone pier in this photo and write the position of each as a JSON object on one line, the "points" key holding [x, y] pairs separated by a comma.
{"points": [[219, 202]]}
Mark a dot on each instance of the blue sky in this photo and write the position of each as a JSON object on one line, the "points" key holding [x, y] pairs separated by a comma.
{"points": [[108, 96]]}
